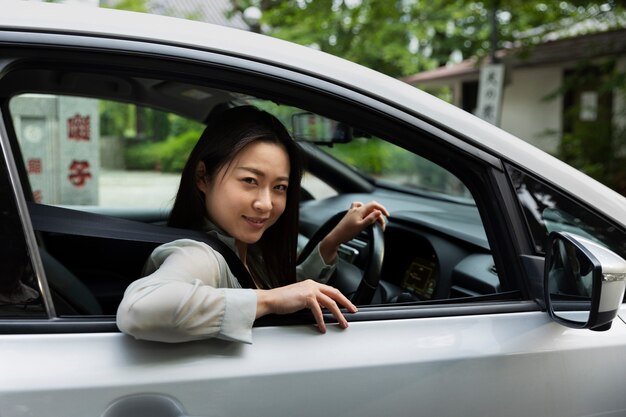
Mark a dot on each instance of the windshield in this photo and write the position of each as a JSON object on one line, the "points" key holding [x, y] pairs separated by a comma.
{"points": [[392, 165], [382, 162]]}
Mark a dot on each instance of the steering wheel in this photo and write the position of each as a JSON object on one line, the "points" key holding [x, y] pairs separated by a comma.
{"points": [[375, 253]]}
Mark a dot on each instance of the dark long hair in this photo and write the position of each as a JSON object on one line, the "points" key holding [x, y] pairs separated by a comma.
{"points": [[226, 134]]}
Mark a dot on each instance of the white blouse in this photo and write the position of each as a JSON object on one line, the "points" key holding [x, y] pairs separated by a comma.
{"points": [[189, 293]]}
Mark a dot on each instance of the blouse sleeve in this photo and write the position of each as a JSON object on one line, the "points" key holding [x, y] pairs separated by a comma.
{"points": [[314, 267], [189, 294]]}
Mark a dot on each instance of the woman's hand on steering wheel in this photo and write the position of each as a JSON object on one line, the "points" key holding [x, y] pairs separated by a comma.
{"points": [[353, 222]]}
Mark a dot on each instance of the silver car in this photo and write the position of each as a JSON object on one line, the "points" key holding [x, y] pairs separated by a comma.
{"points": [[495, 289]]}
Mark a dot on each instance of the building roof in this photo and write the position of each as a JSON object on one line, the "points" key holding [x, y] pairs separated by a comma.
{"points": [[601, 44], [468, 66]]}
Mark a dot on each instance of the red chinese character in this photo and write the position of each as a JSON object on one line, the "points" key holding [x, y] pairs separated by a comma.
{"points": [[78, 127], [79, 173], [37, 196], [34, 166]]}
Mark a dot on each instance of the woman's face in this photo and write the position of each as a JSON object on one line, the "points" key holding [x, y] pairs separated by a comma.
{"points": [[248, 195]]}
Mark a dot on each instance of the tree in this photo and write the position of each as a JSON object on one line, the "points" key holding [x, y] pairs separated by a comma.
{"points": [[402, 37], [130, 5]]}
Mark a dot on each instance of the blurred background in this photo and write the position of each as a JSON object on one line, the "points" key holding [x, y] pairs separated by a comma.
{"points": [[551, 72]]}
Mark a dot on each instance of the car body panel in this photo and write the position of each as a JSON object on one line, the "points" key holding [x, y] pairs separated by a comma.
{"points": [[512, 360], [504, 364]]}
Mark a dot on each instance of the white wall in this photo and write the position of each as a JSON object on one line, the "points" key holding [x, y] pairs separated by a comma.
{"points": [[524, 112]]}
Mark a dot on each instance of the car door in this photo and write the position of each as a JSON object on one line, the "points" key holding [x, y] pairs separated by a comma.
{"points": [[499, 356]]}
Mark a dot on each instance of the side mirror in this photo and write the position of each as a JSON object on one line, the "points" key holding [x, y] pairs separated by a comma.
{"points": [[583, 282]]}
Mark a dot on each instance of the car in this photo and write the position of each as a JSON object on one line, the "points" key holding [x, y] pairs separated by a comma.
{"points": [[496, 288]]}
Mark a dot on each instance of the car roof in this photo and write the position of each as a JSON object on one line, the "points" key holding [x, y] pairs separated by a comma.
{"points": [[90, 21]]}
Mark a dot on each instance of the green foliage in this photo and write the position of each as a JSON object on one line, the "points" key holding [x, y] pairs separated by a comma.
{"points": [[595, 147], [374, 156], [282, 112], [154, 139], [130, 121], [114, 119], [155, 124], [180, 125], [167, 156], [401, 37], [382, 159], [131, 5]]}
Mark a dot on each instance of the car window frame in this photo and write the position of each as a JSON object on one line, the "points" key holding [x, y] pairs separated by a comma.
{"points": [[27, 226], [321, 92], [581, 205], [535, 255]]}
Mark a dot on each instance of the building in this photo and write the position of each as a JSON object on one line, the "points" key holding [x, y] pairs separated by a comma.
{"points": [[532, 107]]}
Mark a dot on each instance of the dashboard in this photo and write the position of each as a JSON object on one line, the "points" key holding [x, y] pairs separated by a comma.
{"points": [[432, 252], [427, 265]]}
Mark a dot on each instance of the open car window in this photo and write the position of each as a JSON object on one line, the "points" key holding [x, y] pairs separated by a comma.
{"points": [[123, 159], [102, 155]]}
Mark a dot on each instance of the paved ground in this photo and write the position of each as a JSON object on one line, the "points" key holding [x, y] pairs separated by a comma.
{"points": [[137, 189]]}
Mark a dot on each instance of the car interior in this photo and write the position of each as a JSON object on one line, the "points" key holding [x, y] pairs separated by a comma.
{"points": [[434, 250]]}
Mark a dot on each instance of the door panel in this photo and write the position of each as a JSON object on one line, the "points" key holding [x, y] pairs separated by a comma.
{"points": [[506, 365]]}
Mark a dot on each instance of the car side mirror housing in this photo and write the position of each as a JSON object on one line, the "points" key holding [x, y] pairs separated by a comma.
{"points": [[583, 282]]}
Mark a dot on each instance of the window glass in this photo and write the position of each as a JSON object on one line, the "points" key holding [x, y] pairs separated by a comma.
{"points": [[88, 152], [379, 160], [384, 161], [547, 210], [19, 296], [316, 187]]}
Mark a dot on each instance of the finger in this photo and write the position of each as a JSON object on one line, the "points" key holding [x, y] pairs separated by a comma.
{"points": [[330, 304], [356, 204], [381, 218], [382, 221], [337, 296], [372, 217], [315, 308], [376, 205]]}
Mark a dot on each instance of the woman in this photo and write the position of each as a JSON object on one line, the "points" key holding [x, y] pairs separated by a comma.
{"points": [[241, 184]]}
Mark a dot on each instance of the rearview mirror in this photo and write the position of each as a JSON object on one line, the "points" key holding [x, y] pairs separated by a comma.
{"points": [[583, 282], [311, 127]]}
